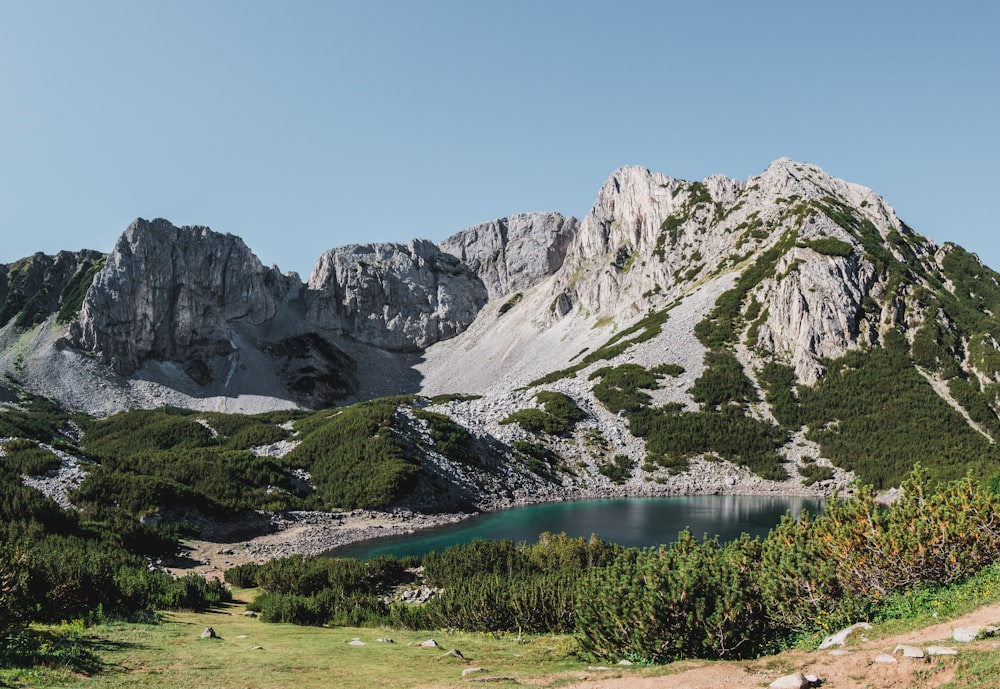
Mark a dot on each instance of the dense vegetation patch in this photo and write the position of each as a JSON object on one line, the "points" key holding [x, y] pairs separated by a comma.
{"points": [[57, 565], [620, 388], [356, 455], [71, 299], [874, 414], [451, 440], [721, 427], [828, 246], [149, 460], [558, 416]]}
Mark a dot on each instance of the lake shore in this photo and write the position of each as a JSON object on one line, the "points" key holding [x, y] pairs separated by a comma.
{"points": [[263, 537]]}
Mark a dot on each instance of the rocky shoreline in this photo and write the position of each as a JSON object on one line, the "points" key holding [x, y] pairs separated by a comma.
{"points": [[265, 537]]}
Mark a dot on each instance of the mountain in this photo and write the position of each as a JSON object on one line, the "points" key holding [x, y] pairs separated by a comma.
{"points": [[786, 332]]}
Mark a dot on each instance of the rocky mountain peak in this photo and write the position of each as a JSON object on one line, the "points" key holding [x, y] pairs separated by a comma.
{"points": [[171, 293]]}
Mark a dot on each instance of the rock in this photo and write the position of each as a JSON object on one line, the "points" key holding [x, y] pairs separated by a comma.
{"points": [[795, 680], [355, 642], [256, 648], [840, 638], [394, 297], [472, 670], [209, 633], [624, 662], [839, 652], [885, 659], [513, 253], [430, 643], [384, 641], [31, 289], [175, 293], [941, 651], [454, 653], [908, 651], [968, 634], [250, 613]]}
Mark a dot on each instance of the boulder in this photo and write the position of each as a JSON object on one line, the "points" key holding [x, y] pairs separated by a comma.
{"points": [[840, 638], [209, 633], [971, 633], [908, 651], [796, 680], [940, 651]]}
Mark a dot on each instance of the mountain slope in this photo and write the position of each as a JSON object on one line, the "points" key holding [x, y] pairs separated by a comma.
{"points": [[787, 332]]}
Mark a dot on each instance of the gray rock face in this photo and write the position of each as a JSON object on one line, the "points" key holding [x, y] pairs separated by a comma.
{"points": [[174, 294], [513, 253], [394, 297], [815, 308]]}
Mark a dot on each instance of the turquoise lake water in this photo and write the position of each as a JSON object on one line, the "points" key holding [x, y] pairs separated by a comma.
{"points": [[632, 522]]}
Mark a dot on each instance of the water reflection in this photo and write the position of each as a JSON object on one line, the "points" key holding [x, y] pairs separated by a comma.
{"points": [[632, 522]]}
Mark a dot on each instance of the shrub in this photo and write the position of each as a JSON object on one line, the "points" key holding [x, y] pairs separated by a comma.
{"points": [[451, 440], [692, 600]]}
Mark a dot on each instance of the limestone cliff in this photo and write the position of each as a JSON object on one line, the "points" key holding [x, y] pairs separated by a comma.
{"points": [[513, 253], [394, 297], [176, 293]]}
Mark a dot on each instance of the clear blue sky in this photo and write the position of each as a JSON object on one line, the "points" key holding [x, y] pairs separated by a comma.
{"points": [[302, 126]]}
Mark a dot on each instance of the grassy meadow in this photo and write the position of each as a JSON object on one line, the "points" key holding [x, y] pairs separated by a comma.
{"points": [[250, 653]]}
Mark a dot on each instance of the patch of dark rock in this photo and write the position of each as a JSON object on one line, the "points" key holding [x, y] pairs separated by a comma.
{"points": [[319, 374]]}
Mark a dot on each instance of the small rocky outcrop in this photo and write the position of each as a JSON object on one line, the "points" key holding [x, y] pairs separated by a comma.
{"points": [[513, 253], [37, 286], [395, 297]]}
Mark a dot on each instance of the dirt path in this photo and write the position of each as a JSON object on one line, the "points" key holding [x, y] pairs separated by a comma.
{"points": [[857, 669]]}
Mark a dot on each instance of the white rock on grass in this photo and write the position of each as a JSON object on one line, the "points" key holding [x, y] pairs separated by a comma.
{"points": [[840, 638], [971, 633]]}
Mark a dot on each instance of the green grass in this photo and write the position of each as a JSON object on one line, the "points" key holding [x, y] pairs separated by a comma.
{"points": [[171, 655]]}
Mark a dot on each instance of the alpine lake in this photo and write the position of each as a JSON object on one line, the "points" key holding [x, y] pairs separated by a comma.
{"points": [[635, 522]]}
